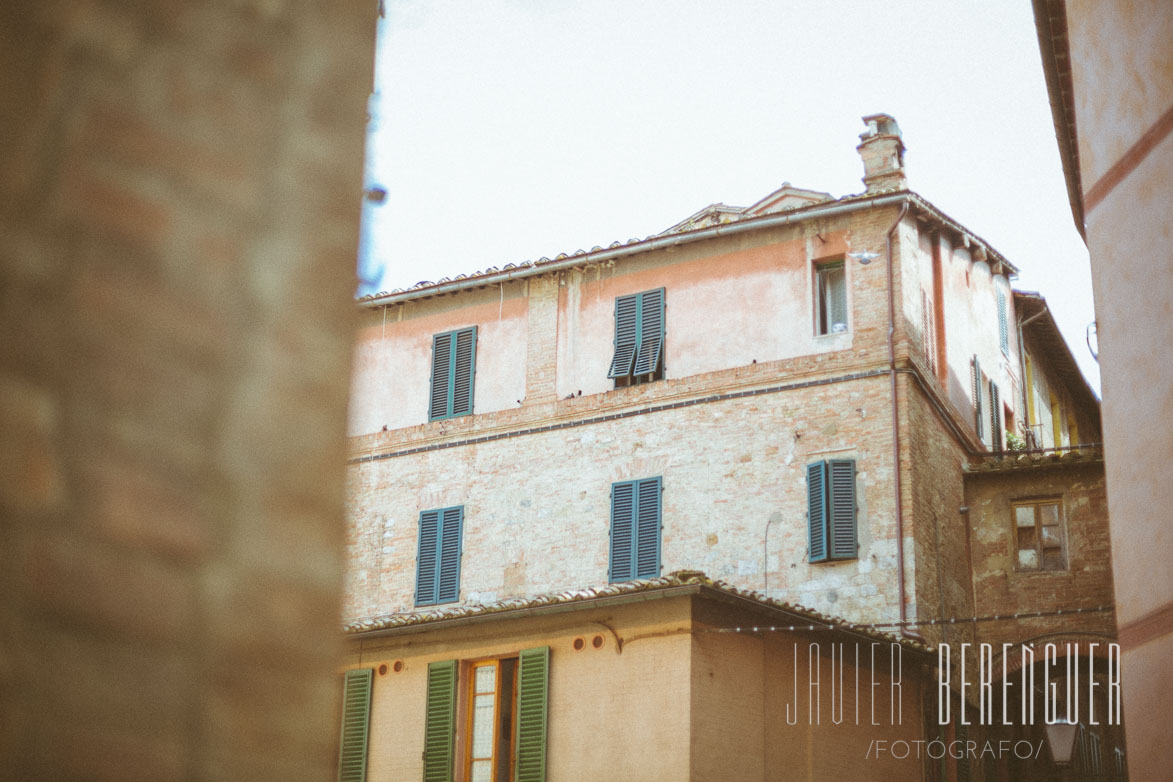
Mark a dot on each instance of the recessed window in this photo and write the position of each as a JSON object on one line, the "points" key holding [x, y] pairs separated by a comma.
{"points": [[639, 339], [830, 298], [1038, 530], [493, 702], [454, 356]]}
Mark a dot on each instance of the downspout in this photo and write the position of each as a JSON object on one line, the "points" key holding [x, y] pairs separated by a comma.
{"points": [[904, 631]]}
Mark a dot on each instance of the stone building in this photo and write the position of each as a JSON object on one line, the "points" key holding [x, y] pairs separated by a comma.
{"points": [[1109, 71], [793, 398]]}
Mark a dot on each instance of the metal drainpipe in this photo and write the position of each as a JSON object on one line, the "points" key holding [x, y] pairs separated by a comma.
{"points": [[904, 631]]}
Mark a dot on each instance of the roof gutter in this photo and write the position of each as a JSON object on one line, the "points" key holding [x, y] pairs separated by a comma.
{"points": [[648, 245]]}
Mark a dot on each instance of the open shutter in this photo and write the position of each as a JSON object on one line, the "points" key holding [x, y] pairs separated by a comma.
{"points": [[1003, 327], [976, 377], [427, 560], [626, 337], [651, 332], [440, 721], [356, 712], [995, 418], [647, 537], [441, 371], [816, 490], [841, 477], [464, 366], [533, 686], [448, 586], [622, 530]]}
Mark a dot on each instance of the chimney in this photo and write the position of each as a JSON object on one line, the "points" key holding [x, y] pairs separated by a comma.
{"points": [[883, 154]]}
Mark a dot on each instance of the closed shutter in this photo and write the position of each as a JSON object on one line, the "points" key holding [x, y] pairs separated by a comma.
{"points": [[1003, 326], [427, 560], [841, 478], [356, 712], [448, 588], [651, 332], [647, 563], [995, 418], [440, 721], [464, 367], [816, 489], [441, 375], [976, 378], [533, 685], [626, 336], [622, 530]]}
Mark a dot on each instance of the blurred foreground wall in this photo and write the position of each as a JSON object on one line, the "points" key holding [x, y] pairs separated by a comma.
{"points": [[179, 204]]}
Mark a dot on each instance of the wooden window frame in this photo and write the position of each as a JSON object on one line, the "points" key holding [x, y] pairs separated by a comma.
{"points": [[1035, 503], [823, 326], [470, 693]]}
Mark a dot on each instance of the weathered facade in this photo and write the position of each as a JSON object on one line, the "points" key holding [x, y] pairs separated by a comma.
{"points": [[1109, 72], [786, 397]]}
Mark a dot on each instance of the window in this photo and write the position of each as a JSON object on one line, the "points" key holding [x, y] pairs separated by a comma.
{"points": [[1003, 328], [438, 562], [453, 363], [639, 338], [830, 298], [975, 381], [995, 418], [635, 529], [506, 707], [929, 330], [1038, 529], [356, 710], [831, 520], [492, 700]]}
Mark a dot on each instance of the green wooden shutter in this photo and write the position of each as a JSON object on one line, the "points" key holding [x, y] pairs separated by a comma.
{"points": [[976, 370], [533, 685], [816, 490], [441, 375], [647, 528], [356, 712], [440, 721], [841, 504], [626, 336], [651, 332], [1003, 327], [995, 418], [427, 565], [623, 531], [448, 581], [463, 370]]}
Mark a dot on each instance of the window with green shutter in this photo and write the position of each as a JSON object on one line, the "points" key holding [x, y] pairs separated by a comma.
{"points": [[1003, 325], [995, 418], [438, 559], [639, 338], [453, 368], [635, 529], [356, 712], [440, 721], [975, 379], [831, 510], [533, 686]]}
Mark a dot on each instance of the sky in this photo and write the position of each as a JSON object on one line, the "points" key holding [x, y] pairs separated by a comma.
{"points": [[511, 130]]}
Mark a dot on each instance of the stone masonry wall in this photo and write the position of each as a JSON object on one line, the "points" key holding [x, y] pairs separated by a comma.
{"points": [[179, 213]]}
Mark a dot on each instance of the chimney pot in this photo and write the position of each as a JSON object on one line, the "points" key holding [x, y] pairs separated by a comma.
{"points": [[882, 151]]}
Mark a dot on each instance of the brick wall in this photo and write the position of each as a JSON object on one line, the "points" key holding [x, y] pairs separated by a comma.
{"points": [[178, 224], [1086, 582]]}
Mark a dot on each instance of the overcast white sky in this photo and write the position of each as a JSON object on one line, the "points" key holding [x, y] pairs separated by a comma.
{"points": [[509, 130]]}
